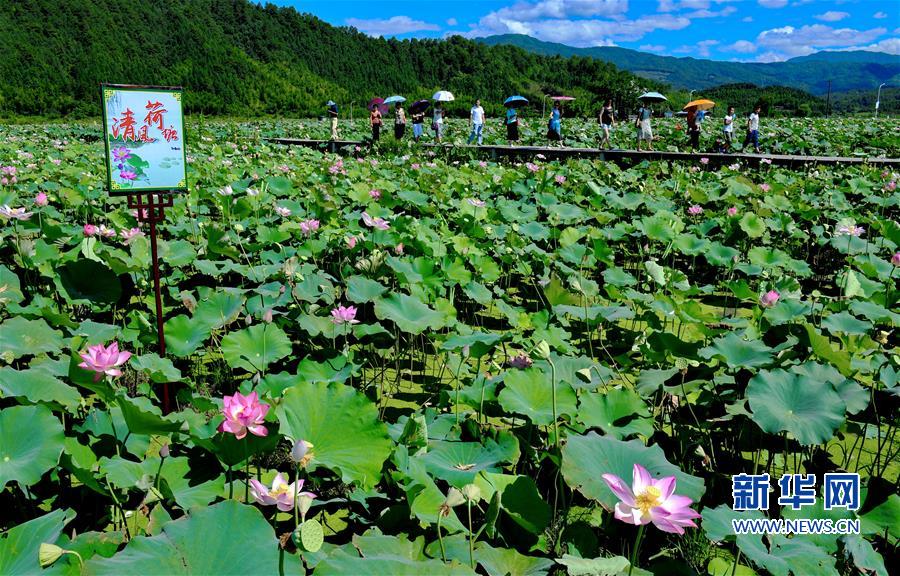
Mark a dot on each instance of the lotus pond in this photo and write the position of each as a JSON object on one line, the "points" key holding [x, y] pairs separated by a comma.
{"points": [[406, 363]]}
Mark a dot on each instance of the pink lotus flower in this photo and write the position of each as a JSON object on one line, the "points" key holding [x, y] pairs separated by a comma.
{"points": [[104, 360], [127, 174], [892, 185], [243, 413], [90, 229], [121, 154], [895, 259], [41, 199], [695, 210], [483, 164], [735, 166], [415, 166], [379, 223], [56, 161], [309, 226], [851, 230], [732, 211], [532, 167], [398, 249], [106, 232], [704, 160], [476, 202], [351, 241], [521, 361], [283, 212], [14, 213], [281, 494], [560, 179], [344, 315], [766, 161], [375, 194], [649, 500], [8, 170], [765, 187], [226, 191], [129, 235], [769, 299]]}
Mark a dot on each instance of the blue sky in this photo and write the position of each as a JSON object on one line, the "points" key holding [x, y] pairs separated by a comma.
{"points": [[746, 30]]}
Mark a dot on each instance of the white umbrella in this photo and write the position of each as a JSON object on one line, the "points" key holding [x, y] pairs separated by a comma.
{"points": [[443, 96]]}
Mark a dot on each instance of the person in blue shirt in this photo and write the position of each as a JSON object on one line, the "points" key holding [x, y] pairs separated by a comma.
{"points": [[512, 125], [554, 128]]}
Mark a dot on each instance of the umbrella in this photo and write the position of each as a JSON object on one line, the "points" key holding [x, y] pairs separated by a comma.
{"points": [[562, 98], [443, 96], [652, 97], [330, 103], [379, 103], [515, 101], [419, 106], [701, 104], [393, 99]]}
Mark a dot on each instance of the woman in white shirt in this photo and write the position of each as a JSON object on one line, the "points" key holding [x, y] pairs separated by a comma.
{"points": [[728, 128]]}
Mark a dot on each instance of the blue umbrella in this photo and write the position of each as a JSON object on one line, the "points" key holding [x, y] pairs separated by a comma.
{"points": [[330, 103], [515, 101], [393, 99], [652, 97]]}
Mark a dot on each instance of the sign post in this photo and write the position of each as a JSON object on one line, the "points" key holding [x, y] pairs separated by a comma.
{"points": [[146, 161]]}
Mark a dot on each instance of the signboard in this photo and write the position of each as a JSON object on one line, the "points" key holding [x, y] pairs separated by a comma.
{"points": [[144, 139]]}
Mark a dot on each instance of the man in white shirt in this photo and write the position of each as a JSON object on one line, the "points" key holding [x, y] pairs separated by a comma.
{"points": [[728, 128], [476, 119], [753, 129]]}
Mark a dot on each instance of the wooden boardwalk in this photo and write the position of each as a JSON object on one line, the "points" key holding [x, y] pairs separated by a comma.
{"points": [[624, 157]]}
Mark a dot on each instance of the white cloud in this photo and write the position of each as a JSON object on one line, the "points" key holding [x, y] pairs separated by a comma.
{"points": [[561, 10], [747, 19], [673, 5], [772, 3], [700, 49], [704, 13], [787, 41], [390, 26], [452, 22], [741, 46], [879, 15], [652, 48], [832, 16], [889, 46], [581, 33]]}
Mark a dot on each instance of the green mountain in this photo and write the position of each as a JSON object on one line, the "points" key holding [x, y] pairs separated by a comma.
{"points": [[236, 57], [844, 70]]}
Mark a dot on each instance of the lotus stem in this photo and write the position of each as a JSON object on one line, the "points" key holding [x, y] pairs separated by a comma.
{"points": [[636, 550]]}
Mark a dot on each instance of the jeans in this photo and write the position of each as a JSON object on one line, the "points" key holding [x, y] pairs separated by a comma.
{"points": [[417, 131], [752, 137], [476, 132]]}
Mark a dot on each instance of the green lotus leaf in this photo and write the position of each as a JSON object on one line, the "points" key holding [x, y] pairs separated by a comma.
{"points": [[91, 281], [519, 499], [341, 562], [220, 309], [809, 409], [846, 323], [509, 562], [143, 417], [197, 544], [342, 425], [20, 337], [529, 393], [608, 566], [156, 368], [184, 335], [255, 348], [38, 386], [738, 352], [31, 441], [460, 462], [360, 289], [10, 288], [585, 458], [478, 343], [409, 313], [20, 545], [618, 412]]}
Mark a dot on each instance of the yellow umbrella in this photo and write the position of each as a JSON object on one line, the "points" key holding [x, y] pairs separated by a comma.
{"points": [[701, 104]]}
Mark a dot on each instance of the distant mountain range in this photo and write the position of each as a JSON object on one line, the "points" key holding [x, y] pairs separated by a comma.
{"points": [[853, 70]]}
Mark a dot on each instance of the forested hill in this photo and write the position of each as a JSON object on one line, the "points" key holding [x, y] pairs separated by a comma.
{"points": [[239, 58], [843, 70]]}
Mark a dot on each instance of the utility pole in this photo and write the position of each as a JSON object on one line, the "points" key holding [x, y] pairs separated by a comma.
{"points": [[878, 100]]}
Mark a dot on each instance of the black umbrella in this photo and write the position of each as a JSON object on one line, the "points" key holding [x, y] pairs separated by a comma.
{"points": [[419, 106]]}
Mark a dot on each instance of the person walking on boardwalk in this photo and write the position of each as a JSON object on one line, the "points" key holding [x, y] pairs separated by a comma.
{"points": [[375, 121], [607, 123], [644, 130], [418, 118], [437, 122], [728, 129], [693, 124], [333, 116], [476, 119], [554, 126], [753, 129], [399, 121], [512, 125]]}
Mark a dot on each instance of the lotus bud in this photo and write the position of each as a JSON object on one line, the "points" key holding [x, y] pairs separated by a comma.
{"points": [[542, 349], [189, 301], [164, 450], [49, 553], [301, 453], [303, 505], [267, 316]]}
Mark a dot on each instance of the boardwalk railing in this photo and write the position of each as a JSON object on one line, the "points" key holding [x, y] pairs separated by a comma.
{"points": [[619, 156]]}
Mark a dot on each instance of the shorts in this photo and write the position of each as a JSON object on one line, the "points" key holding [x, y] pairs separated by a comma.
{"points": [[606, 126]]}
